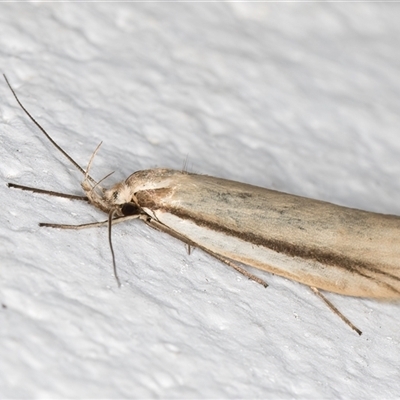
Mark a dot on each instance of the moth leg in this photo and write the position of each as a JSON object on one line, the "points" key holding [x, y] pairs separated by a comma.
{"points": [[161, 227], [188, 249], [76, 227], [189, 245], [335, 310], [232, 264], [47, 192], [88, 225], [157, 225]]}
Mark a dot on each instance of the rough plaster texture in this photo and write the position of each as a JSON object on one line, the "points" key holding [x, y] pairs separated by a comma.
{"points": [[299, 97]]}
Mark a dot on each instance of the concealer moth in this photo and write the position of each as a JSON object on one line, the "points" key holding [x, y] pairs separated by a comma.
{"points": [[322, 245]]}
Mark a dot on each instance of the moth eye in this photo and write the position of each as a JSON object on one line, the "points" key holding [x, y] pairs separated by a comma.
{"points": [[130, 209]]}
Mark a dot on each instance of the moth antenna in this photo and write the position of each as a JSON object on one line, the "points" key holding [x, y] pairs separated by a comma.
{"points": [[87, 176], [110, 222], [58, 147]]}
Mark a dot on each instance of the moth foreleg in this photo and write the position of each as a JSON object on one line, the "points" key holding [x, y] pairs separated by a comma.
{"points": [[48, 192], [87, 225]]}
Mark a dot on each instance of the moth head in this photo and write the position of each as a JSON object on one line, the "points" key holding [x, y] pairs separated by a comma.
{"points": [[121, 199], [119, 194]]}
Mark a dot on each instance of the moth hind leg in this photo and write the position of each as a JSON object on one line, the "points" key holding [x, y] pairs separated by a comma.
{"points": [[335, 310]]}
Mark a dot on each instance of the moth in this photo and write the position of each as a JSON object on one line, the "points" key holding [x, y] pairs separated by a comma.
{"points": [[322, 245]]}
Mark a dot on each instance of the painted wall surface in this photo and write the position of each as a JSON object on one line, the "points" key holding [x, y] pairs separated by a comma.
{"points": [[298, 97]]}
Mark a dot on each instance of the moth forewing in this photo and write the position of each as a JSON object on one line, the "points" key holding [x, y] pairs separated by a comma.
{"points": [[334, 248]]}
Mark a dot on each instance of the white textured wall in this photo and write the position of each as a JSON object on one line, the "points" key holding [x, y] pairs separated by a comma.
{"points": [[302, 98]]}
